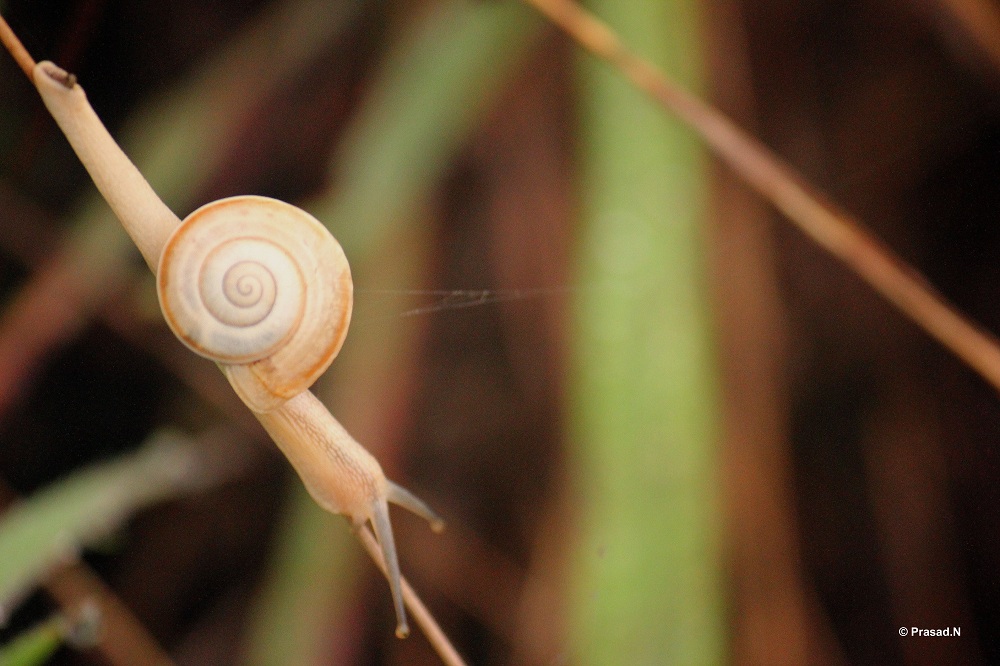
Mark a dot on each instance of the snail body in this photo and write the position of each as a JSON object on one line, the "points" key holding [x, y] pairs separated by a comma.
{"points": [[262, 288], [343, 477]]}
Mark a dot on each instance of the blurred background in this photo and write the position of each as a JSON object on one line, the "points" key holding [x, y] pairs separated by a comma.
{"points": [[662, 425]]}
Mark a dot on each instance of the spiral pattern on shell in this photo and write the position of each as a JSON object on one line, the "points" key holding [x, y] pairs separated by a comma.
{"points": [[261, 287]]}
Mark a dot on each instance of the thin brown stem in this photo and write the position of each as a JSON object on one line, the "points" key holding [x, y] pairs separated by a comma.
{"points": [[123, 640], [757, 165], [16, 49], [417, 609]]}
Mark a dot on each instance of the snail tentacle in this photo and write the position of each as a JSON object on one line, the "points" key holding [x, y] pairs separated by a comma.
{"points": [[400, 496], [383, 532]]}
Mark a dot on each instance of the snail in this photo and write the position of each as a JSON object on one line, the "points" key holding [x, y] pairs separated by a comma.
{"points": [[263, 289]]}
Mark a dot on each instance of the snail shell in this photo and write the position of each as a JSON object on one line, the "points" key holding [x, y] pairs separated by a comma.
{"points": [[261, 287]]}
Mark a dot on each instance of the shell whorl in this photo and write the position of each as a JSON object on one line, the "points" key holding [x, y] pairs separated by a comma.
{"points": [[261, 287]]}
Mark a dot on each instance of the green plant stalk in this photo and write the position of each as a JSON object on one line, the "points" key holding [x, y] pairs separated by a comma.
{"points": [[311, 570], [647, 585]]}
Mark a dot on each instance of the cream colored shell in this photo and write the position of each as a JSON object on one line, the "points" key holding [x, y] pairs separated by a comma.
{"points": [[261, 287]]}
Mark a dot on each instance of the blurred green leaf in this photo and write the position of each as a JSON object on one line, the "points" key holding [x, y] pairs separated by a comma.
{"points": [[54, 524], [37, 645], [34, 646], [648, 588], [426, 101], [178, 138]]}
